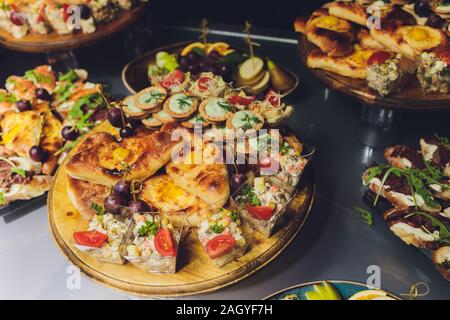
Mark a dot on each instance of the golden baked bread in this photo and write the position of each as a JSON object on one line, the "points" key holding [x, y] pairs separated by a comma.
{"points": [[103, 160], [332, 35], [173, 201], [83, 194], [366, 40], [352, 66], [348, 10], [207, 180]]}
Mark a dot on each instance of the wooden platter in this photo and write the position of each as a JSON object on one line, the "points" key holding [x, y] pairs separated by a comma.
{"points": [[196, 274], [55, 42], [134, 74], [411, 97]]}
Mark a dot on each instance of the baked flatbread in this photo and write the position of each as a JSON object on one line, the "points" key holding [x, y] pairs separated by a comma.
{"points": [[347, 10], [332, 35], [352, 66], [103, 160], [173, 201], [208, 179], [83, 194]]}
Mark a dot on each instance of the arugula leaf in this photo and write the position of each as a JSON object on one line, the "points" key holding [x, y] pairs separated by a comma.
{"points": [[37, 77], [98, 208], [7, 97], [365, 214], [64, 91], [18, 171], [444, 233], [375, 171], [70, 76]]}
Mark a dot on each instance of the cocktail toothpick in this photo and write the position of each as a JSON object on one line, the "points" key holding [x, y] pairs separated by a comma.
{"points": [[205, 30]]}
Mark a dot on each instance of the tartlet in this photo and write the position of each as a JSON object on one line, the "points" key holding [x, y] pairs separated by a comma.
{"points": [[196, 120], [181, 105], [130, 108], [245, 120], [151, 122], [215, 109], [163, 116], [150, 99]]}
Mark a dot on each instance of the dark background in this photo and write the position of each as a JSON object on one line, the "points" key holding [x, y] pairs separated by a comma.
{"points": [[275, 14]]}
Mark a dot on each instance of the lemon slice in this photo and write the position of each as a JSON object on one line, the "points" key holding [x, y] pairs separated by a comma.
{"points": [[191, 46], [220, 47], [368, 295]]}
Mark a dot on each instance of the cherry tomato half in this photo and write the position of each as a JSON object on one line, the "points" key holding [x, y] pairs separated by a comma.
{"points": [[273, 97], [220, 246], [93, 239], [260, 212], [243, 101], [164, 243], [174, 78], [204, 83], [378, 57]]}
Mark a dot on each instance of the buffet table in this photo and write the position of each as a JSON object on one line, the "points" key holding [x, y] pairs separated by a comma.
{"points": [[334, 244]]}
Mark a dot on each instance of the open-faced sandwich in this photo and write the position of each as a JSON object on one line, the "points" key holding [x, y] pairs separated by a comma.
{"points": [[382, 42], [417, 186], [22, 17], [42, 114]]}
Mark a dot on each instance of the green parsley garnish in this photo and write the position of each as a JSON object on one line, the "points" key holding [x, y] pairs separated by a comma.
{"points": [[285, 148], [234, 215], [365, 214], [250, 197], [149, 227], [2, 198], [217, 228], [98, 208]]}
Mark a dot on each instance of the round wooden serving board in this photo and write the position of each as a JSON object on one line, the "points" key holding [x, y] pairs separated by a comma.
{"points": [[135, 78], [410, 97], [34, 42], [195, 273]]}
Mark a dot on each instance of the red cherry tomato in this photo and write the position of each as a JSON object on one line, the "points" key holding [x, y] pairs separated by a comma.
{"points": [[220, 246], [273, 98], [260, 212], [164, 243], [204, 83], [66, 14], [93, 239], [174, 78], [378, 57], [243, 101]]}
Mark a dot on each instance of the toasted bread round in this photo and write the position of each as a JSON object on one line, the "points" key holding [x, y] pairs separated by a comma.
{"points": [[196, 120], [245, 120], [163, 116], [130, 108], [151, 122]]}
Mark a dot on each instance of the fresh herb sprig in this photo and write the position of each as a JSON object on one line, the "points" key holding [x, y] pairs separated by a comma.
{"points": [[153, 97], [225, 106], [217, 228], [365, 215], [149, 227], [444, 232], [250, 197], [98, 209], [19, 172]]}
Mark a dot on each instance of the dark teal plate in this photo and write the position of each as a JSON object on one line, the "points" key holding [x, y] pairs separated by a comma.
{"points": [[345, 288]]}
